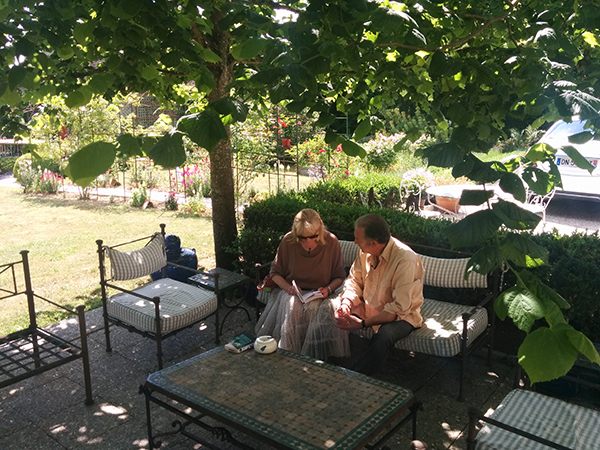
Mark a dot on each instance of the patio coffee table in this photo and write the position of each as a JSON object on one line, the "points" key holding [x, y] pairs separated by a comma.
{"points": [[283, 399]]}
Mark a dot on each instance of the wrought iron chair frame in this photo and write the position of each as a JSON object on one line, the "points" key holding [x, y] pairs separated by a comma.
{"points": [[157, 336], [34, 350]]}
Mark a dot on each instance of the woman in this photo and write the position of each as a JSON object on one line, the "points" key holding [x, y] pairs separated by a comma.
{"points": [[310, 256]]}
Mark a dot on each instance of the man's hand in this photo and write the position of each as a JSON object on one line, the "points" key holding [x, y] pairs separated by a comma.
{"points": [[345, 320], [348, 323]]}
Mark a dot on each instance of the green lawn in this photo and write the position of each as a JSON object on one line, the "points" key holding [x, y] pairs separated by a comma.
{"points": [[61, 233]]}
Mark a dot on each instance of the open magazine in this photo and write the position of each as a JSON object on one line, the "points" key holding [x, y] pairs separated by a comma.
{"points": [[309, 296]]}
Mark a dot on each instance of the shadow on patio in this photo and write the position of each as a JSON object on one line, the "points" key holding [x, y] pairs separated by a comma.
{"points": [[48, 412]]}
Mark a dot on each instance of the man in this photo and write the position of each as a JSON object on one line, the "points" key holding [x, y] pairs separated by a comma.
{"points": [[384, 290]]}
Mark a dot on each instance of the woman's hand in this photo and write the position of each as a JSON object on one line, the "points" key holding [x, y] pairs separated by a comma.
{"points": [[325, 291]]}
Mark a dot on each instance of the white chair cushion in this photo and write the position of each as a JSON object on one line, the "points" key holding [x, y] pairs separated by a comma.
{"points": [[180, 305], [138, 263], [450, 273], [441, 332], [570, 425]]}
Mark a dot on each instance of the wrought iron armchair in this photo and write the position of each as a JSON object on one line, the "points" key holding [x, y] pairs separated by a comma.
{"points": [[158, 309]]}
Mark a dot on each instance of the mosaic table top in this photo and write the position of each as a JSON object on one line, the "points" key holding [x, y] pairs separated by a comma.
{"points": [[227, 279], [285, 399]]}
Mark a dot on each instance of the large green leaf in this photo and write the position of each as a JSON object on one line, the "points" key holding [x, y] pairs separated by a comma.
{"points": [[578, 159], [86, 164], [475, 196], [485, 260], [542, 291], [169, 151], [523, 251], [205, 81], [540, 152], [232, 106], [351, 148], [129, 146], [332, 138], [547, 353], [442, 155], [581, 138], [83, 32], [15, 77], [204, 129], [521, 305], [539, 181], [512, 184], [586, 347], [79, 97], [363, 128], [207, 55], [515, 217], [473, 229], [248, 49]]}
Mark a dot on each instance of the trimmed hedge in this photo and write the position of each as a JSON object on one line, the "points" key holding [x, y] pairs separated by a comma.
{"points": [[574, 261]]}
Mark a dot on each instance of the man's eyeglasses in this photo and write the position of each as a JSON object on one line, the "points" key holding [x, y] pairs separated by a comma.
{"points": [[303, 238]]}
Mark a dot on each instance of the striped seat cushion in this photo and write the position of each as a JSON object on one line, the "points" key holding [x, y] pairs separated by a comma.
{"points": [[441, 332], [180, 305], [349, 252], [570, 425]]}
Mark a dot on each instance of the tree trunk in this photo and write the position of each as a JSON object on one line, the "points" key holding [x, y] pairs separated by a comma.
{"points": [[221, 169], [223, 203]]}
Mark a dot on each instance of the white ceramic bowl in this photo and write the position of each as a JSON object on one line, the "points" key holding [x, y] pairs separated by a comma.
{"points": [[265, 345]]}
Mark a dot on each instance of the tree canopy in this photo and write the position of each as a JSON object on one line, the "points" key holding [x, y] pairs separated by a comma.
{"points": [[469, 66]]}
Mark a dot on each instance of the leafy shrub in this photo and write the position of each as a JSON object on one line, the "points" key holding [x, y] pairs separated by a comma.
{"points": [[195, 179], [7, 164], [276, 214], [347, 190], [255, 245], [380, 152], [27, 161], [574, 273], [193, 207], [171, 201], [138, 196], [48, 182]]}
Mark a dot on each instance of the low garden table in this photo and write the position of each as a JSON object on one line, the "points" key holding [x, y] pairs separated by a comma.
{"points": [[228, 281], [282, 399]]}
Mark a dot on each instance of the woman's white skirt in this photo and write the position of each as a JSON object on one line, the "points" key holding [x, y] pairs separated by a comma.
{"points": [[304, 328]]}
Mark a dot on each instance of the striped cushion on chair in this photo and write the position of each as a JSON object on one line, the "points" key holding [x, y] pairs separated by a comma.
{"points": [[449, 273], [566, 424], [349, 252], [264, 296], [441, 332], [180, 305], [138, 263]]}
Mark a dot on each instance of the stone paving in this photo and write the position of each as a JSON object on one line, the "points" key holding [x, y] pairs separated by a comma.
{"points": [[47, 412]]}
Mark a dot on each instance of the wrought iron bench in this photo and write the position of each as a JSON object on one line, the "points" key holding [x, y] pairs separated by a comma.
{"points": [[34, 350], [449, 329]]}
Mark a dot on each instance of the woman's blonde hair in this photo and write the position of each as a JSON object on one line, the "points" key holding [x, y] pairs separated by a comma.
{"points": [[308, 223]]}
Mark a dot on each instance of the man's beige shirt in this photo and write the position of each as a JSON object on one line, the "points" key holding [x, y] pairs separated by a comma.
{"points": [[395, 285]]}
